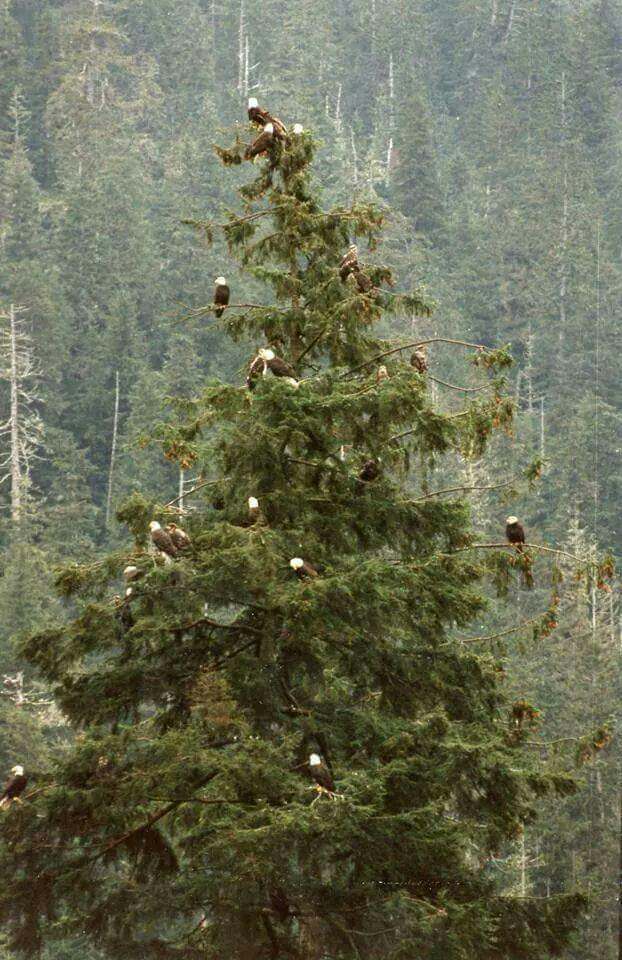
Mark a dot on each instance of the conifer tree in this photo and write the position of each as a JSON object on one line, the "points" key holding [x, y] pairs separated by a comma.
{"points": [[187, 820]]}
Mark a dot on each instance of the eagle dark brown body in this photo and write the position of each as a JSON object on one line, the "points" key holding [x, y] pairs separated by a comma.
{"points": [[515, 532], [222, 294]]}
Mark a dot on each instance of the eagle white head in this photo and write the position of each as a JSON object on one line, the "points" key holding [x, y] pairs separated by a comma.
{"points": [[130, 572], [511, 520], [252, 102], [267, 353], [253, 503], [269, 128], [128, 593], [296, 563], [220, 282], [154, 525], [298, 129], [315, 760], [18, 771]]}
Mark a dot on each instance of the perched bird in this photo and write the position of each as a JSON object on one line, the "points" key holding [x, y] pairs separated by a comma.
{"points": [[349, 268], [162, 540], [256, 114], [180, 538], [131, 573], [419, 361], [265, 360], [302, 569], [515, 532], [222, 293], [14, 787], [253, 509], [262, 118], [370, 471], [321, 774], [257, 368], [349, 262], [363, 282], [279, 367], [382, 374], [260, 144]]}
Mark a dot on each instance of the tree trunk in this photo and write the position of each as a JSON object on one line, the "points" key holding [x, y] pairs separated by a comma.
{"points": [[16, 468], [113, 449]]}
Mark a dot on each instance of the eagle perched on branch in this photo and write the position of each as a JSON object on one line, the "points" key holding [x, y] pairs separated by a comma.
{"points": [[14, 787], [419, 360], [515, 532], [349, 267], [180, 538], [265, 360], [302, 569], [321, 774], [260, 144], [222, 294], [262, 118], [162, 540]]}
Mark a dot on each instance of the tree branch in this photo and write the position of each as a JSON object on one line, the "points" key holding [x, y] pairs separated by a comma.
{"points": [[437, 493], [199, 486], [407, 346]]}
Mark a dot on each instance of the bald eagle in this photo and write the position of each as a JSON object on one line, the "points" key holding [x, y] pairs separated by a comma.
{"points": [[180, 538], [321, 774], [382, 374], [370, 471], [279, 367], [162, 540], [15, 786], [253, 509], [302, 569], [260, 144], [515, 532], [419, 361], [349, 262], [222, 294], [265, 360], [262, 118], [349, 268], [131, 573]]}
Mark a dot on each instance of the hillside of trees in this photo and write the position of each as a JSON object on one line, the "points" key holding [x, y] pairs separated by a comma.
{"points": [[489, 137]]}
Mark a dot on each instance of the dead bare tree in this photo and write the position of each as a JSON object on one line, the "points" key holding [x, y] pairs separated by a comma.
{"points": [[23, 428]]}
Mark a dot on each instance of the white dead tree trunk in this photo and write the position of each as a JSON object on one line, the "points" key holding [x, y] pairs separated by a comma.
{"points": [[182, 488], [23, 428], [242, 62], [338, 109], [113, 449], [564, 231], [391, 113], [355, 159]]}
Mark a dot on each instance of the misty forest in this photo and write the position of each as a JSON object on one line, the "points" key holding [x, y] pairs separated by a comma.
{"points": [[310, 435]]}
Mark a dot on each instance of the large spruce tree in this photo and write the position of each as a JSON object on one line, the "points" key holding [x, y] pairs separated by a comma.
{"points": [[184, 821]]}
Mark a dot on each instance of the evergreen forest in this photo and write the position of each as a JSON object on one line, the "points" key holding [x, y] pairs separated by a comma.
{"points": [[283, 683]]}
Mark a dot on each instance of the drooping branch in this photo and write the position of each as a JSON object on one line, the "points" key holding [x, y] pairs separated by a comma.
{"points": [[410, 346], [490, 486], [502, 633], [503, 545]]}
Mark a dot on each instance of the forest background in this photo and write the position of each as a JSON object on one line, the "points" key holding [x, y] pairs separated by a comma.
{"points": [[491, 133]]}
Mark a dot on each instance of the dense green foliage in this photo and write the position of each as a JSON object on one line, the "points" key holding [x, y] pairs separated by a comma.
{"points": [[490, 135]]}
